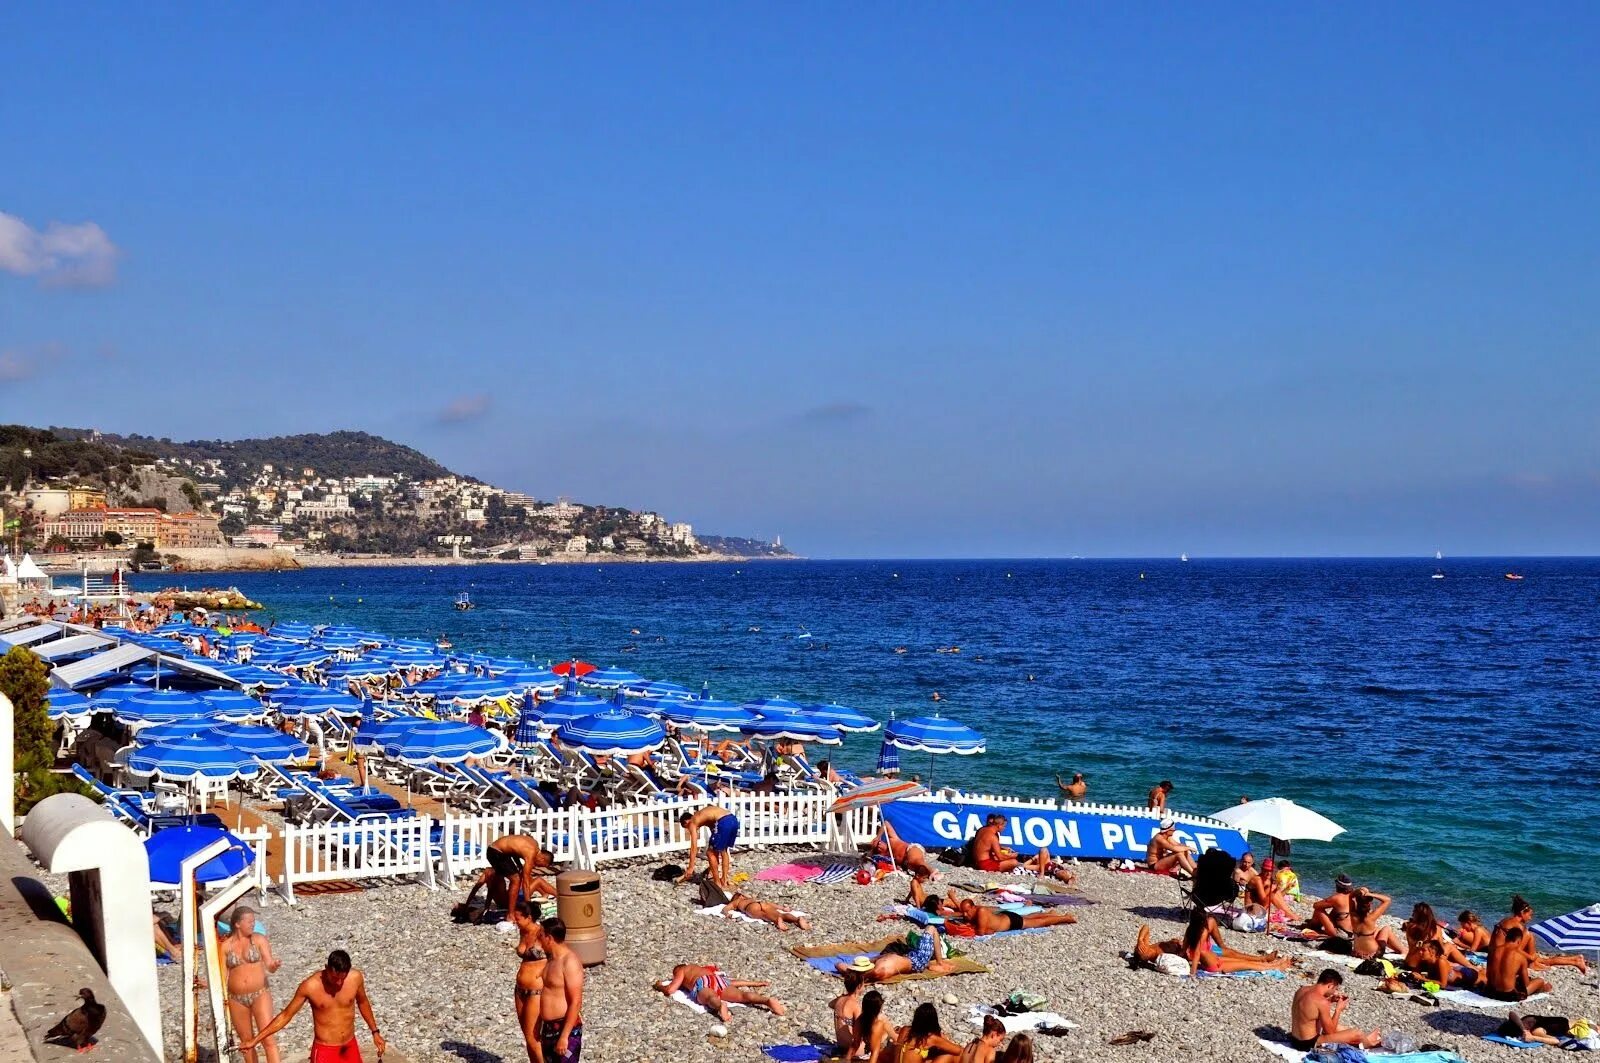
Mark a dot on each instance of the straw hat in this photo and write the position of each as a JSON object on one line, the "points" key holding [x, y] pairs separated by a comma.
{"points": [[861, 963]]}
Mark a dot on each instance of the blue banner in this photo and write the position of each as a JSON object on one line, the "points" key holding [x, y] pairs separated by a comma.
{"points": [[1091, 835]]}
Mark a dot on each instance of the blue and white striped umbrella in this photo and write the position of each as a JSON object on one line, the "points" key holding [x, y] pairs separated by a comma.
{"points": [[250, 676], [888, 759], [317, 701], [934, 734], [68, 703], [523, 679], [569, 707], [233, 704], [1576, 930], [359, 669], [612, 732], [770, 706], [612, 678], [175, 729], [444, 741], [776, 726], [658, 688], [841, 717], [263, 743], [474, 690], [181, 759], [292, 632], [159, 706], [704, 714], [527, 732], [373, 734]]}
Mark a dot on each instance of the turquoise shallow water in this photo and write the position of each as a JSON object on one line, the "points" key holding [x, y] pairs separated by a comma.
{"points": [[1446, 723]]}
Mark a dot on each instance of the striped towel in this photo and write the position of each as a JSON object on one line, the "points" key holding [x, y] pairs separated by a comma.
{"points": [[834, 873]]}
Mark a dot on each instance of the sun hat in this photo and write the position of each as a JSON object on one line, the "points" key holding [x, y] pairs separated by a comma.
{"points": [[1168, 820], [861, 963]]}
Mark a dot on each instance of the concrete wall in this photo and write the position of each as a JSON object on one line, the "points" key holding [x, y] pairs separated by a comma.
{"points": [[47, 963]]}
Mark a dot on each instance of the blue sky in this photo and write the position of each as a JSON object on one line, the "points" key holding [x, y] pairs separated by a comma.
{"points": [[888, 280]]}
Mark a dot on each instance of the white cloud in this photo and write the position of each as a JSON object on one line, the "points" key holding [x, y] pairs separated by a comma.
{"points": [[71, 256], [465, 408], [14, 366]]}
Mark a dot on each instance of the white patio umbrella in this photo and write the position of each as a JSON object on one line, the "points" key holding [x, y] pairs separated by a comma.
{"points": [[1279, 817]]}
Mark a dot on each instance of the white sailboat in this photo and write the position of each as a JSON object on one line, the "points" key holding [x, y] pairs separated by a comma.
{"points": [[1438, 573], [1183, 557]]}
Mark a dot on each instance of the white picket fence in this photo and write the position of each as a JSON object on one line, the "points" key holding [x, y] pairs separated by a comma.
{"points": [[398, 848]]}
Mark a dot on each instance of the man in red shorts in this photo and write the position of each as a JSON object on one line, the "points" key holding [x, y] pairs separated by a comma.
{"points": [[334, 993], [987, 852]]}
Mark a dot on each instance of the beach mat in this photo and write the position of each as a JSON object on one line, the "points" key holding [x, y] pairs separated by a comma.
{"points": [[1023, 1023], [796, 1053], [1282, 1049], [823, 957], [717, 913], [1466, 998], [1509, 1042], [816, 874], [1275, 975], [683, 998]]}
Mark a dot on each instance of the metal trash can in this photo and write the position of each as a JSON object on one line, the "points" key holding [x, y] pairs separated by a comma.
{"points": [[578, 905]]}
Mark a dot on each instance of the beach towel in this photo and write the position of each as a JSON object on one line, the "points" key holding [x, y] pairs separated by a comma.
{"points": [[818, 874], [716, 912], [1282, 1049], [964, 930], [824, 957], [1028, 1020], [1353, 962], [796, 1053], [1509, 1042], [1245, 974], [1466, 998], [834, 874], [682, 997]]}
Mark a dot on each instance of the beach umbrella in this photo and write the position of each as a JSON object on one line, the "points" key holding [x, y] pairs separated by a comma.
{"points": [[263, 743], [578, 669], [1579, 930], [317, 701], [360, 668], [876, 792], [704, 714], [232, 704], [175, 729], [611, 678], [527, 732], [472, 690], [778, 726], [569, 707], [769, 706], [540, 679], [181, 759], [68, 703], [445, 741], [159, 706], [249, 675], [109, 697], [167, 850], [657, 688], [292, 632], [843, 718], [888, 759], [373, 734], [1279, 817], [934, 735], [612, 732]]}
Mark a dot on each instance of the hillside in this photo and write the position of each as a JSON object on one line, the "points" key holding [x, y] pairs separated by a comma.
{"points": [[41, 454], [334, 455]]}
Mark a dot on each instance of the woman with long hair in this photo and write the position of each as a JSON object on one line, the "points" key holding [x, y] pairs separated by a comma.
{"points": [[1020, 1050], [874, 1033], [248, 958], [1367, 937], [1206, 951], [923, 1041], [530, 976]]}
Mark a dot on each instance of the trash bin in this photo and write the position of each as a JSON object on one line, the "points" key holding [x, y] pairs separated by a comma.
{"points": [[578, 905]]}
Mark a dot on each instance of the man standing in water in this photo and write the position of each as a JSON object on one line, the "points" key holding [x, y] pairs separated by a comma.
{"points": [[561, 999], [1157, 800], [334, 993]]}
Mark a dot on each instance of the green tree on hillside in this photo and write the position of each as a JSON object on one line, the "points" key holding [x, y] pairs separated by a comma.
{"points": [[25, 680]]}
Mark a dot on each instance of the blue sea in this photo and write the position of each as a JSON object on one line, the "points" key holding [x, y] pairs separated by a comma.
{"points": [[1448, 724]]}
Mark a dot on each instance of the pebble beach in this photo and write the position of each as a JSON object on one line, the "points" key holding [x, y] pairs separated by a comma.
{"points": [[442, 991]]}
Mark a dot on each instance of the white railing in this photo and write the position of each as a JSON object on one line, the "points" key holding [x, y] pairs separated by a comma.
{"points": [[257, 838], [465, 839], [370, 849]]}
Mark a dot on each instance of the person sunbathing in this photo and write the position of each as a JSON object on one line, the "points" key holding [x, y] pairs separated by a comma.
{"points": [[714, 991], [983, 1048], [1368, 937], [1423, 927], [1259, 890], [908, 857], [1314, 1016], [901, 958], [1521, 917], [1165, 854], [987, 852], [1331, 915], [1428, 961], [1471, 934], [985, 920], [767, 912], [846, 1009], [923, 1041], [1205, 950], [1540, 1029], [1510, 971], [874, 1033]]}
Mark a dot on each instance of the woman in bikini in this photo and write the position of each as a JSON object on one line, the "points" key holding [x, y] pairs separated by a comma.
{"points": [[1471, 934], [874, 1033], [248, 958], [782, 918], [923, 1041], [1450, 965], [530, 977], [1367, 938], [1205, 950]]}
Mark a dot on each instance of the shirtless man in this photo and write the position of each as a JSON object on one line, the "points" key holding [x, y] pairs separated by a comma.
{"points": [[714, 991], [912, 859], [767, 912], [1509, 975], [561, 998], [724, 828], [989, 855], [510, 876], [1314, 1016], [1075, 789], [900, 958], [334, 993], [1165, 853], [1521, 916], [985, 920], [1331, 915], [1260, 890], [1156, 801]]}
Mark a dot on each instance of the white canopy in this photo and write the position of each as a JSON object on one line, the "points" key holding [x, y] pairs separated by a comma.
{"points": [[8, 570], [29, 569], [1279, 817]]}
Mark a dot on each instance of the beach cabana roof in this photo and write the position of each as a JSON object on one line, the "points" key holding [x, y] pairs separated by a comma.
{"points": [[29, 635], [72, 646], [29, 569]]}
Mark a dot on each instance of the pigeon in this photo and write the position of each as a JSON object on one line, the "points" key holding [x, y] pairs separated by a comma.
{"points": [[81, 1024]]}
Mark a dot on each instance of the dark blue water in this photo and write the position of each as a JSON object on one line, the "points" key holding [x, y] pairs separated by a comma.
{"points": [[1448, 724]]}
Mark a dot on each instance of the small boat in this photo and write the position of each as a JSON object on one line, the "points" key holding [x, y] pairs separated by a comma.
{"points": [[1438, 573], [1513, 575], [464, 602], [1183, 557]]}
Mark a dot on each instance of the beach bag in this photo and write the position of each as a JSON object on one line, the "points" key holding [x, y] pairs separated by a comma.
{"points": [[1249, 924], [710, 895], [1399, 1042], [667, 873], [1176, 966]]}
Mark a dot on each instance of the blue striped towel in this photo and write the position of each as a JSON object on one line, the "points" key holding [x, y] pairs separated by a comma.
{"points": [[833, 873]]}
